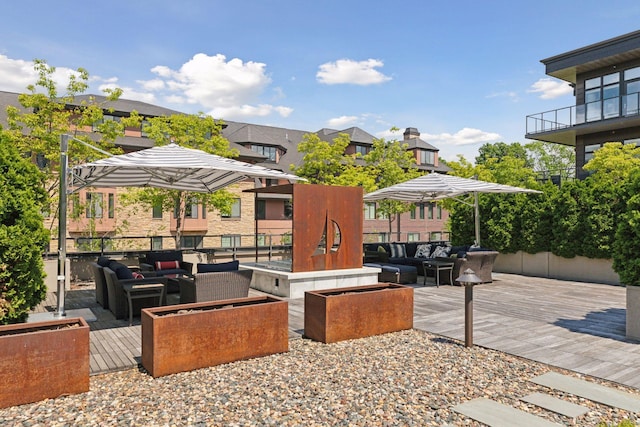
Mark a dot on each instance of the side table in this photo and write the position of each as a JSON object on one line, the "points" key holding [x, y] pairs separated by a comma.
{"points": [[437, 267], [142, 290]]}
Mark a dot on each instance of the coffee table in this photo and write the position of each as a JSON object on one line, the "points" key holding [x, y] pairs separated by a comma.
{"points": [[437, 266], [142, 290]]}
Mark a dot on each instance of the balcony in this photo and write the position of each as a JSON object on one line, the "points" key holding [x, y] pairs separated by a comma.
{"points": [[564, 124]]}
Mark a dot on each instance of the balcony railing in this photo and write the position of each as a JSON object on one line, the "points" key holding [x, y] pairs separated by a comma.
{"points": [[563, 118]]}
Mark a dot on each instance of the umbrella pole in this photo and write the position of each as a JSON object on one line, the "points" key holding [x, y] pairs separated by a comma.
{"points": [[476, 215], [62, 226]]}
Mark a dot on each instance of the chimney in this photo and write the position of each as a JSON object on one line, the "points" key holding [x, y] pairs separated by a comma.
{"points": [[411, 133]]}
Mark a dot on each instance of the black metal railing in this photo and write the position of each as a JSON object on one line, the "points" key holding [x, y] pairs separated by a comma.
{"points": [[563, 118]]}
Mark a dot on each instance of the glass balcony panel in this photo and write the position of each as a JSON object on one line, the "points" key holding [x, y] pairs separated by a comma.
{"points": [[580, 114], [611, 91], [630, 104], [594, 111], [611, 108]]}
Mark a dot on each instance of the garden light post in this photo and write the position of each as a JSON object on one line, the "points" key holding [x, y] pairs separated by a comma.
{"points": [[468, 279]]}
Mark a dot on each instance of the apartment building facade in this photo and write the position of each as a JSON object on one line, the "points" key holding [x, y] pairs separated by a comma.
{"points": [[100, 214], [605, 78]]}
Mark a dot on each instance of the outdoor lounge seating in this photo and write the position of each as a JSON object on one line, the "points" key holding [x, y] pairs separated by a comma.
{"points": [[101, 284], [165, 263], [391, 273], [215, 286], [480, 261], [118, 275]]}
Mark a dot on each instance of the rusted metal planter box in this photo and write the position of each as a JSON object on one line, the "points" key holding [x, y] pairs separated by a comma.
{"points": [[355, 312], [185, 337], [43, 360]]}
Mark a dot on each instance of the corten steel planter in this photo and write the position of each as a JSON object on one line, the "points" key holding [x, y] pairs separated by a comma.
{"points": [[43, 360], [355, 312], [185, 337]]}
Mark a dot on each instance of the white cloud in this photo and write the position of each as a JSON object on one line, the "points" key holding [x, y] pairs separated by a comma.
{"points": [[507, 94], [342, 121], [229, 89], [550, 88], [465, 136], [17, 74], [151, 85], [130, 93], [347, 71]]}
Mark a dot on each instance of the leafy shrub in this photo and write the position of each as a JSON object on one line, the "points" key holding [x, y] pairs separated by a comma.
{"points": [[22, 234], [625, 247]]}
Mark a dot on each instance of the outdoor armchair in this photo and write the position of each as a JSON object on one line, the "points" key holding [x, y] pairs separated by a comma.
{"points": [[215, 286], [164, 263]]}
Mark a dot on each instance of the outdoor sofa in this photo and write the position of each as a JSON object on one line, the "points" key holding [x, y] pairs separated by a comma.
{"points": [[399, 254], [165, 263]]}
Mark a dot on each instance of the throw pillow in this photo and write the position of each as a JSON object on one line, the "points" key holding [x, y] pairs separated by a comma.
{"points": [[423, 251], [167, 265], [381, 249], [441, 252], [398, 250], [137, 275], [214, 268]]}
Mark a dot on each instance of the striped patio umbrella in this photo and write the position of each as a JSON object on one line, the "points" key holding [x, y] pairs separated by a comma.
{"points": [[170, 166], [435, 186]]}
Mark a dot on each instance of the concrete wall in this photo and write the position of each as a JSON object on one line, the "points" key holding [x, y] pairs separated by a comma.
{"points": [[546, 264]]}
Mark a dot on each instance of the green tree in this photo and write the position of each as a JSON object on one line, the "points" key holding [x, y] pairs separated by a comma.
{"points": [[498, 150], [324, 162], [192, 131], [389, 163], [46, 115], [22, 234], [625, 248], [552, 159]]}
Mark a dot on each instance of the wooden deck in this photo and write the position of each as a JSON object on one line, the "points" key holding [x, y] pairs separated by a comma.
{"points": [[572, 325]]}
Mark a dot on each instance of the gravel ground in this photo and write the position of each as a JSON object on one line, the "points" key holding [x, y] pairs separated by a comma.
{"points": [[409, 378]]}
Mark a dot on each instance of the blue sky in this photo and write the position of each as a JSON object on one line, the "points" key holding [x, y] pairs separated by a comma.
{"points": [[464, 73]]}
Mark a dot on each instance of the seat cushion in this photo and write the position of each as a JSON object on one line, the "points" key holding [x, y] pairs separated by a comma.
{"points": [[223, 266], [172, 272]]}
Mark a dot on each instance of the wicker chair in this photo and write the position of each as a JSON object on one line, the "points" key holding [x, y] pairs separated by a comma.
{"points": [[101, 284], [481, 262], [118, 303], [215, 286]]}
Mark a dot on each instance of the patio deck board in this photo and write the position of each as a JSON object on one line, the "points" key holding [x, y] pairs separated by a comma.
{"points": [[572, 325]]}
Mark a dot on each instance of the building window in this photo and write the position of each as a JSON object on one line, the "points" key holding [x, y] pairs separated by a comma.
{"points": [[630, 102], [602, 97], [369, 210], [156, 212], [269, 152], [261, 240], [191, 211], [439, 212], [156, 243], [362, 150], [427, 157], [94, 205], [635, 141], [271, 182], [412, 213], [413, 237], [194, 242], [421, 210], [235, 210], [143, 128], [430, 213], [231, 241], [261, 209], [382, 237], [589, 150], [112, 205]]}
